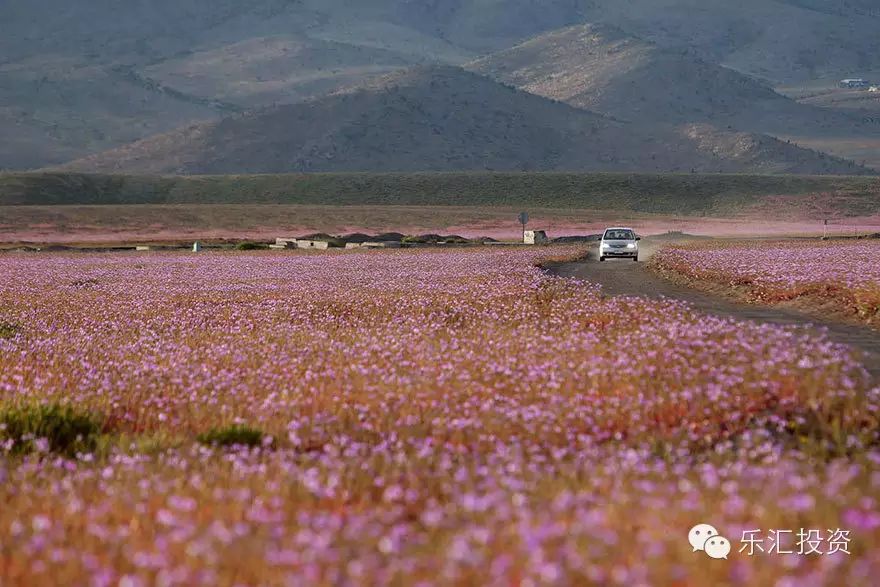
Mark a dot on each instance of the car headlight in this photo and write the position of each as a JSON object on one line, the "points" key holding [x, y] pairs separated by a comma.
{"points": [[631, 245], [605, 245]]}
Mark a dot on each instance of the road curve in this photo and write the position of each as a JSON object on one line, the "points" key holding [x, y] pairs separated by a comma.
{"points": [[623, 277]]}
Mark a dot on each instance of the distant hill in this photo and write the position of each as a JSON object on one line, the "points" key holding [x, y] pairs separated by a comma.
{"points": [[601, 68], [777, 40], [81, 77], [56, 108], [77, 78], [440, 119], [274, 70], [859, 101], [763, 153]]}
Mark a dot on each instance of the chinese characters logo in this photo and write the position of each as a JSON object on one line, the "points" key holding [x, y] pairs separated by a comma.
{"points": [[802, 542]]}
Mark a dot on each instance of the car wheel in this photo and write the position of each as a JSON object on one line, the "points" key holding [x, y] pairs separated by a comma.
{"points": [[636, 259], [601, 258]]}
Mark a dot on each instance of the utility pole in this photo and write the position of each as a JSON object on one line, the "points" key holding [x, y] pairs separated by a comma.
{"points": [[523, 219]]}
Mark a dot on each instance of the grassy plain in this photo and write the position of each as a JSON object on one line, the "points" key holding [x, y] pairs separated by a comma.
{"points": [[57, 207], [688, 194]]}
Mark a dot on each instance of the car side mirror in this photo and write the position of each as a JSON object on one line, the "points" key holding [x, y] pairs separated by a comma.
{"points": [[638, 238]]}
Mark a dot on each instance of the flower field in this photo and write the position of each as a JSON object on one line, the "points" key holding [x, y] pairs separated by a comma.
{"points": [[411, 418], [844, 275]]}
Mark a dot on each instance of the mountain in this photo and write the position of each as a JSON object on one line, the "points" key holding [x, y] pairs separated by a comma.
{"points": [[601, 68], [273, 70], [439, 118], [55, 109], [777, 40], [763, 153], [80, 77]]}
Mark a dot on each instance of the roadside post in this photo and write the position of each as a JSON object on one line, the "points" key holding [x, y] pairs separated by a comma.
{"points": [[523, 219], [825, 230]]}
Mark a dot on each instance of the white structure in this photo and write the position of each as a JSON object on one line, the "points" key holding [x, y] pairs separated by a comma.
{"points": [[381, 245], [314, 245], [535, 237], [197, 247]]}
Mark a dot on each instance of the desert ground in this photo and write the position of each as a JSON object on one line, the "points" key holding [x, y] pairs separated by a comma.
{"points": [[129, 224], [69, 208]]}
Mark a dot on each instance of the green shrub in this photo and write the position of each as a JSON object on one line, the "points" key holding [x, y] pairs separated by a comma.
{"points": [[232, 436], [249, 246], [8, 329], [66, 430]]}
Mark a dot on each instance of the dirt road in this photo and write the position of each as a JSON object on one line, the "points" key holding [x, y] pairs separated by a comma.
{"points": [[623, 277]]}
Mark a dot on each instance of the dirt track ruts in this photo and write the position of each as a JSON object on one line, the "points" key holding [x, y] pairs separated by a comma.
{"points": [[623, 277]]}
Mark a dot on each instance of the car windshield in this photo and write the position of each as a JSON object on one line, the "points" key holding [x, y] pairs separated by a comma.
{"points": [[619, 235]]}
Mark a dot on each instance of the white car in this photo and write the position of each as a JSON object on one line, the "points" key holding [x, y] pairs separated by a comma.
{"points": [[620, 243]]}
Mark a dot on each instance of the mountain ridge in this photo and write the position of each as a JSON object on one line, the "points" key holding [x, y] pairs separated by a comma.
{"points": [[604, 69], [439, 118], [62, 96]]}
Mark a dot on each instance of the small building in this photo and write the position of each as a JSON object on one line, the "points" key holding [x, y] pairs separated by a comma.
{"points": [[381, 245], [535, 237], [855, 83], [314, 245]]}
